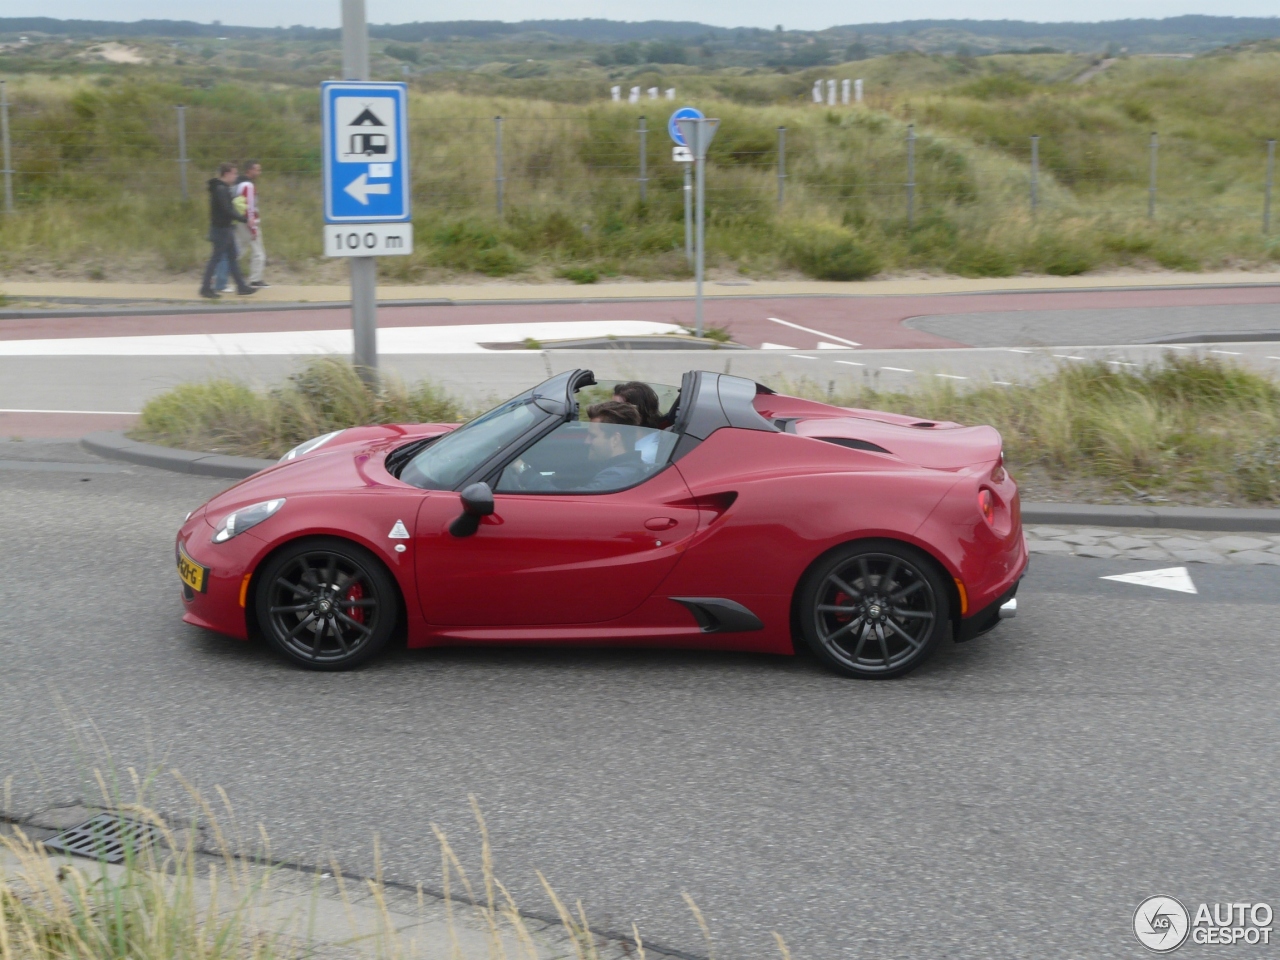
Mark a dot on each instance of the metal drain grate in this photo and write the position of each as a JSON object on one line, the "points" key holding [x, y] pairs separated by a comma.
{"points": [[107, 836]]}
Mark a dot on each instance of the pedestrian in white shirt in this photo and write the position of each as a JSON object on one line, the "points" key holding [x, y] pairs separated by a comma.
{"points": [[249, 233]]}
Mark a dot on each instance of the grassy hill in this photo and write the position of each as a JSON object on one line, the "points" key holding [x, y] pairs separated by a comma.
{"points": [[95, 145]]}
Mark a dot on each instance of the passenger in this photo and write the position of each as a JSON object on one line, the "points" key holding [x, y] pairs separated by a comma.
{"points": [[645, 400], [623, 467]]}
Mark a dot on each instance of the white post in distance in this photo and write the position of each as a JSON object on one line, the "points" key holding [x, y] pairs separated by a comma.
{"points": [[844, 92], [831, 93], [616, 93], [671, 93], [364, 270], [817, 91], [857, 91], [634, 96]]}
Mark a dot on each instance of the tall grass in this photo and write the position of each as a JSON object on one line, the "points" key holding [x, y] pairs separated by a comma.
{"points": [[1185, 427], [227, 416], [98, 191], [177, 899]]}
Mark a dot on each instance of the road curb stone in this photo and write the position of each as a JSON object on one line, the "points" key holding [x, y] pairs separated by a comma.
{"points": [[116, 446]]}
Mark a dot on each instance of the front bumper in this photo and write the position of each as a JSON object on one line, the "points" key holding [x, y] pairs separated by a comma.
{"points": [[219, 606]]}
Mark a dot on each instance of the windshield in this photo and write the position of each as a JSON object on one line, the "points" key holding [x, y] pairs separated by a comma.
{"points": [[452, 458]]}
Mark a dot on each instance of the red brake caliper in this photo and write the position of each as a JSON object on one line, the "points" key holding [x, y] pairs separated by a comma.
{"points": [[356, 592], [839, 600]]}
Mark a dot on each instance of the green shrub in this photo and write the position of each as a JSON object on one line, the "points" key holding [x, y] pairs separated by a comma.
{"points": [[832, 254], [580, 274], [974, 259]]}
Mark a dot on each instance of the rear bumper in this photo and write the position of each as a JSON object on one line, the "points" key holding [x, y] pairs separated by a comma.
{"points": [[1002, 608]]}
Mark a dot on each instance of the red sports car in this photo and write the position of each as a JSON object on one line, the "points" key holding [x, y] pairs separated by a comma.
{"points": [[746, 520]]}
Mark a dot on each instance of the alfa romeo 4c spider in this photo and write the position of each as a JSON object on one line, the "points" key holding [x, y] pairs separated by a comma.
{"points": [[745, 520]]}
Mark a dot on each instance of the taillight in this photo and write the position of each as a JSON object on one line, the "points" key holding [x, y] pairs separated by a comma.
{"points": [[987, 504]]}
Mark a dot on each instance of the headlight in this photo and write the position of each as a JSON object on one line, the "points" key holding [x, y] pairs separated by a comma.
{"points": [[244, 518], [314, 443]]}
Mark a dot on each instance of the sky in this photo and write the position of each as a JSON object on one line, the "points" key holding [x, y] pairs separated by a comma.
{"points": [[810, 15]]}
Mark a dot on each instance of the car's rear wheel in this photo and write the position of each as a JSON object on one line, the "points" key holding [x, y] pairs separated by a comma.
{"points": [[874, 609], [326, 604]]}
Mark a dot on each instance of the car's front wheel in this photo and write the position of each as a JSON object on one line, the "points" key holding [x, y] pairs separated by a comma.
{"points": [[326, 604], [874, 609]]}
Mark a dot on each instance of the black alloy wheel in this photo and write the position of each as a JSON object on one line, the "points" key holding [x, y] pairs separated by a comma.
{"points": [[874, 609], [326, 604]]}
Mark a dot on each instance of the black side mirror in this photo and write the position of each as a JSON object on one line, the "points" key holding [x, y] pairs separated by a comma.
{"points": [[477, 502]]}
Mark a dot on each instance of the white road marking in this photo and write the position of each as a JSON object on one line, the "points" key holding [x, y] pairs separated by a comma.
{"points": [[776, 346], [1169, 578], [1067, 356], [829, 336], [391, 340], [1016, 350], [1229, 353], [1002, 383], [801, 356], [950, 376], [898, 369], [82, 413], [823, 345], [1273, 358], [851, 363], [1121, 363]]}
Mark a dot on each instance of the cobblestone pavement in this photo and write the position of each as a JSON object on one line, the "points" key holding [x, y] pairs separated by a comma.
{"points": [[1155, 545]]}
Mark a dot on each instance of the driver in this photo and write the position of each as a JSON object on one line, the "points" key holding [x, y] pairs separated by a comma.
{"points": [[621, 465]]}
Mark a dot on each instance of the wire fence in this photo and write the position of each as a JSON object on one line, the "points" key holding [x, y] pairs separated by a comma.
{"points": [[498, 165]]}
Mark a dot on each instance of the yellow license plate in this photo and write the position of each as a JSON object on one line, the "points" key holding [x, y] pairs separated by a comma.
{"points": [[193, 575]]}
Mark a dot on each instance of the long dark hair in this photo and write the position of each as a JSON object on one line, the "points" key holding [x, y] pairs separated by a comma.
{"points": [[642, 397]]}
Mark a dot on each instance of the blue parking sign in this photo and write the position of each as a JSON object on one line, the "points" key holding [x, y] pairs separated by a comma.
{"points": [[366, 151]]}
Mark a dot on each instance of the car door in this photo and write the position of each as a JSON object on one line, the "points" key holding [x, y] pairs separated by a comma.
{"points": [[553, 556]]}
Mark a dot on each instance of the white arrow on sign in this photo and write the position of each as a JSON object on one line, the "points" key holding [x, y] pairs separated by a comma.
{"points": [[1170, 578], [360, 188]]}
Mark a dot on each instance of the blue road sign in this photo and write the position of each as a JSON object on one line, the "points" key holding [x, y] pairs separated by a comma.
{"points": [[366, 152], [673, 128]]}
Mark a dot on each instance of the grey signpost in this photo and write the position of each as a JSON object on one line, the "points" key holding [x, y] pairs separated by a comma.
{"points": [[698, 134], [364, 270], [367, 202], [182, 150], [8, 159]]}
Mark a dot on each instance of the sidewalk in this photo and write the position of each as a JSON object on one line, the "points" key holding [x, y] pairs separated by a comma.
{"points": [[82, 291]]}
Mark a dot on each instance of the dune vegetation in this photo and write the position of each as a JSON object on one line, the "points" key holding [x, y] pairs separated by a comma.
{"points": [[98, 195], [1188, 430]]}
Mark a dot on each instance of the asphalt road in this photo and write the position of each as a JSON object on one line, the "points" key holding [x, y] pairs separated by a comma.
{"points": [[1017, 797]]}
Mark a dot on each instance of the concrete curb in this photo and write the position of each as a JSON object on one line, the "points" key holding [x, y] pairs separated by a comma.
{"points": [[1220, 519], [116, 446]]}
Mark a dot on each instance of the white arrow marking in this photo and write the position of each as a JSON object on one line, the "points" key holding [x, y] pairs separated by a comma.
{"points": [[829, 336], [1170, 578], [360, 188]]}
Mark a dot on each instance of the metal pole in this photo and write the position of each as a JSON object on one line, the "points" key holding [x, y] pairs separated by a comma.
{"points": [[182, 150], [8, 157], [364, 270], [1035, 174], [1266, 197], [782, 165], [498, 179], [1151, 189], [644, 179], [700, 160], [688, 213], [911, 174]]}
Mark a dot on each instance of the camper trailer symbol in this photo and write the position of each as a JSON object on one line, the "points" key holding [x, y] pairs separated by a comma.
{"points": [[370, 144]]}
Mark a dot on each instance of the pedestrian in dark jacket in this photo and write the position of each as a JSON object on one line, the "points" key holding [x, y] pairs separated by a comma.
{"points": [[222, 216]]}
